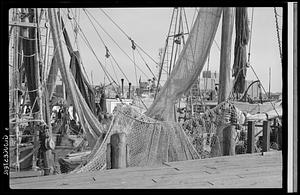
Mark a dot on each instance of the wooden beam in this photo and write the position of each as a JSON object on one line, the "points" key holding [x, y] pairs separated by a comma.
{"points": [[250, 137], [266, 136]]}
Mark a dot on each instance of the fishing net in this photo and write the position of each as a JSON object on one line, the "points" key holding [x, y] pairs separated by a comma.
{"points": [[189, 64], [205, 131], [150, 142], [153, 142]]}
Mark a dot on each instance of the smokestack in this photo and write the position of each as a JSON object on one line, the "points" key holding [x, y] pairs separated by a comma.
{"points": [[129, 90], [122, 85]]}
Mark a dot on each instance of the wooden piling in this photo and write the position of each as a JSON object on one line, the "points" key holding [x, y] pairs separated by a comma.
{"points": [[228, 141], [279, 138], [118, 151], [266, 136], [250, 137], [108, 156]]}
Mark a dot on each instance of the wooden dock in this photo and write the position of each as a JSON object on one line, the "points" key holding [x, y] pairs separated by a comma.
{"points": [[239, 171]]}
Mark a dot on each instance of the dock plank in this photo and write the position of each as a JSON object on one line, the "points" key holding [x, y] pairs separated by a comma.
{"points": [[246, 170]]}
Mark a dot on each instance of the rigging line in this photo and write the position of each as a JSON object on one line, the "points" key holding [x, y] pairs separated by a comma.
{"points": [[114, 71], [207, 71], [114, 41], [164, 54], [118, 84], [263, 89], [278, 36], [90, 47], [119, 67], [177, 45], [74, 30], [249, 49], [77, 25], [115, 23], [193, 19], [186, 22], [127, 35], [146, 63], [217, 45], [171, 60], [106, 46], [231, 92], [94, 28], [136, 80], [146, 53]]}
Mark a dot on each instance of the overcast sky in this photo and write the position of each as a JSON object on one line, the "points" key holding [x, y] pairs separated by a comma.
{"points": [[148, 27]]}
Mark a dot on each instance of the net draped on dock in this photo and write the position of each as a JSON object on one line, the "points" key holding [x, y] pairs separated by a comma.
{"points": [[150, 142], [153, 142]]}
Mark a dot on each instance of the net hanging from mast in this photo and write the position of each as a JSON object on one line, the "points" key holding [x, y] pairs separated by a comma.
{"points": [[189, 64]]}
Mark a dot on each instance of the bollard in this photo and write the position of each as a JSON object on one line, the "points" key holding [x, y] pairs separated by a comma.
{"points": [[251, 137]]}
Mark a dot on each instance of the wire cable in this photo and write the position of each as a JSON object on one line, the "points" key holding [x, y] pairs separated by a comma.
{"points": [[127, 35], [115, 42]]}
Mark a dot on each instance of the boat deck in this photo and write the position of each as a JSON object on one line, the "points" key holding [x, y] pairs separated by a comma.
{"points": [[239, 171]]}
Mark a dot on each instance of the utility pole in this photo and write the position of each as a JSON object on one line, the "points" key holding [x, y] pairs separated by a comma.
{"points": [[227, 140]]}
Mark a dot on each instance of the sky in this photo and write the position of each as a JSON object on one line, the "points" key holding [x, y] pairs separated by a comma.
{"points": [[148, 27]]}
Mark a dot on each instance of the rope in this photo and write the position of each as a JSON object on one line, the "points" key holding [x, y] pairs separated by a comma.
{"points": [[114, 71], [278, 36], [231, 92], [136, 80], [193, 19], [146, 63], [128, 36], [90, 47], [114, 41], [186, 22], [173, 42], [264, 90], [164, 54], [105, 44], [77, 24]]}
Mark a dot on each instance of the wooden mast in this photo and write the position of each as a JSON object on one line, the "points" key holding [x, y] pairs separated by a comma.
{"points": [[15, 90], [227, 148]]}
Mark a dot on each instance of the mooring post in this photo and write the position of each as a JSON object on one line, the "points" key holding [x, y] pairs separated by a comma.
{"points": [[108, 156], [127, 155], [118, 154], [228, 141], [279, 137], [266, 136], [250, 137]]}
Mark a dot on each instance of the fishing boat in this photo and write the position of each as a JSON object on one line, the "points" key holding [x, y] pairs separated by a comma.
{"points": [[78, 140]]}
